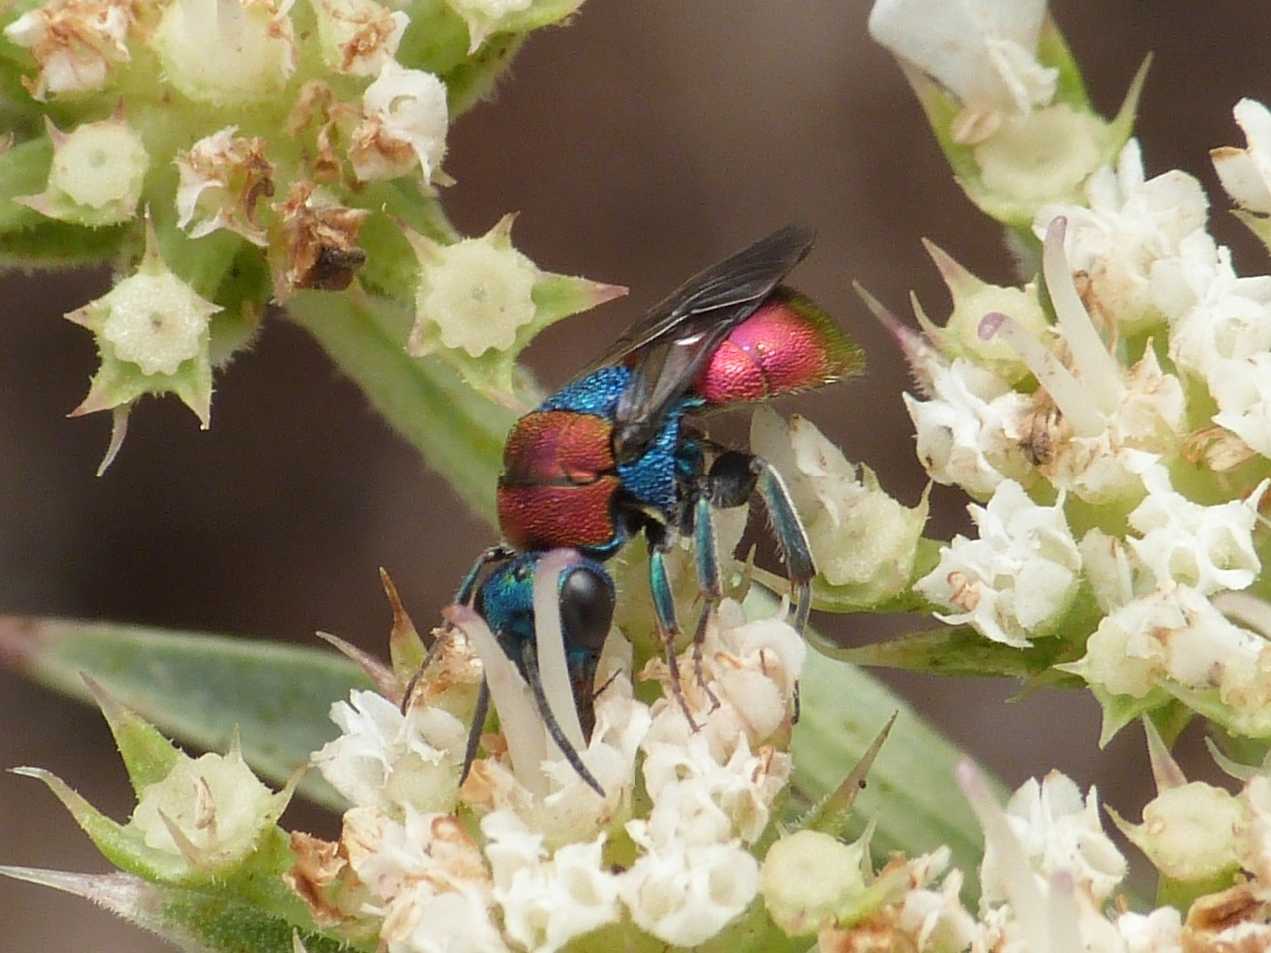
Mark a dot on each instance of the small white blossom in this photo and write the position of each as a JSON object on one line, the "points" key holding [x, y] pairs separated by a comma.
{"points": [[1157, 932], [1178, 634], [222, 178], [1242, 390], [966, 429], [473, 295], [426, 878], [860, 536], [359, 37], [1059, 832], [685, 895], [1130, 223], [1246, 173], [546, 902], [1109, 568], [404, 123], [75, 43], [1017, 579], [984, 52], [1208, 548], [1214, 314], [386, 760], [226, 52]]}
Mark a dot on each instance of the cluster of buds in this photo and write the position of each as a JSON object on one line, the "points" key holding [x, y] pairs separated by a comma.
{"points": [[307, 142]]}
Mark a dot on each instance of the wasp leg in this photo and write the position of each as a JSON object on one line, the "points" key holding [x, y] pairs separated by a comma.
{"points": [[529, 664], [664, 614], [709, 584], [733, 478], [474, 729], [492, 554]]}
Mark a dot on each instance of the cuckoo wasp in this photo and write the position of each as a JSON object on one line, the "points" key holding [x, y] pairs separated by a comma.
{"points": [[616, 453]]}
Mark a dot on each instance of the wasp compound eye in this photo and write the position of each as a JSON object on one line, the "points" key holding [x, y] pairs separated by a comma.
{"points": [[586, 608]]}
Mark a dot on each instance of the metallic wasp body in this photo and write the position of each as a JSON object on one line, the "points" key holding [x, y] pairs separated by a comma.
{"points": [[616, 454]]}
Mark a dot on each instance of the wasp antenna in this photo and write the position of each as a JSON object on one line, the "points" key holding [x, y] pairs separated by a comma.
{"points": [[474, 729], [529, 659]]}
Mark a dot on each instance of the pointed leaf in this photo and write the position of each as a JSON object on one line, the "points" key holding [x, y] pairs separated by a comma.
{"points": [[193, 920], [197, 687], [1120, 710], [956, 650]]}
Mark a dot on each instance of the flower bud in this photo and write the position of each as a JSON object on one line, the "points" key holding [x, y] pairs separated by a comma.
{"points": [[98, 171], [1188, 832], [808, 878], [153, 337], [861, 538], [226, 52]]}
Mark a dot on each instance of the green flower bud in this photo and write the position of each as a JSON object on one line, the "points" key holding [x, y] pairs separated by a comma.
{"points": [[1189, 832], [809, 879], [97, 174]]}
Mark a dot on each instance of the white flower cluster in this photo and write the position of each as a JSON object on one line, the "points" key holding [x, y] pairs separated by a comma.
{"points": [[553, 859], [1050, 877], [1135, 464]]}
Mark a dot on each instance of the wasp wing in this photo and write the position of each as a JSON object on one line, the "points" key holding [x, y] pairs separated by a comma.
{"points": [[667, 349]]}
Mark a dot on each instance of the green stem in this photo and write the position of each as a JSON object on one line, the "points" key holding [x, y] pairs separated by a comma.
{"points": [[459, 433]]}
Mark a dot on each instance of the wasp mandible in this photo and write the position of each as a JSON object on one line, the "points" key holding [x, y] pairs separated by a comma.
{"points": [[616, 453]]}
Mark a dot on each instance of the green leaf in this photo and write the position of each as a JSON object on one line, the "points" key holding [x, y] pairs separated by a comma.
{"points": [[197, 687], [474, 79], [196, 920], [459, 433], [958, 650]]}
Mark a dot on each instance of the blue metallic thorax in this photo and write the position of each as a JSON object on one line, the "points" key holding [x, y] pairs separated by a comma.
{"points": [[507, 604], [650, 479]]}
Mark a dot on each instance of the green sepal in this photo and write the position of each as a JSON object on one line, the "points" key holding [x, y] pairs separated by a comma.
{"points": [[148, 756], [1249, 724], [124, 847], [406, 649], [459, 433], [475, 78], [24, 170], [1053, 52], [198, 687], [195, 920], [833, 813], [1120, 710], [436, 39]]}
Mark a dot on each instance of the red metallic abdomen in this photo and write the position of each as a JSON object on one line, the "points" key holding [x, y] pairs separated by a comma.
{"points": [[787, 345], [558, 483]]}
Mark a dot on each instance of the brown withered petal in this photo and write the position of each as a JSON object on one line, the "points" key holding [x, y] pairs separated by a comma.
{"points": [[318, 243]]}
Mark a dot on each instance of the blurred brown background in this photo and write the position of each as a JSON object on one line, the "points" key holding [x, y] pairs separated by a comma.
{"points": [[643, 142]]}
